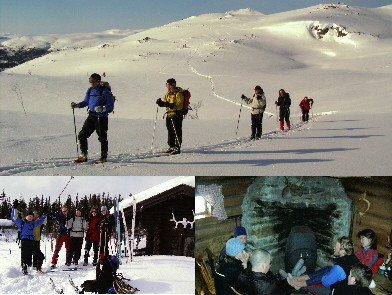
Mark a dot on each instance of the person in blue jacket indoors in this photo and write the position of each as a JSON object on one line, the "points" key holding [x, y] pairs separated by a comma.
{"points": [[100, 102], [330, 276], [27, 237]]}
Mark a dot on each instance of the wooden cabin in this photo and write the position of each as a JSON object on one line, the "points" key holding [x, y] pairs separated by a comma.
{"points": [[155, 208], [269, 207]]}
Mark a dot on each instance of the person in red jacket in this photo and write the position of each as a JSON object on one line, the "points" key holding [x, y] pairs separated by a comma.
{"points": [[92, 235], [367, 254], [305, 105]]}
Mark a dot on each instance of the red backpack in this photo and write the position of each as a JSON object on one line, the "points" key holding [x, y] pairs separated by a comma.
{"points": [[187, 97]]}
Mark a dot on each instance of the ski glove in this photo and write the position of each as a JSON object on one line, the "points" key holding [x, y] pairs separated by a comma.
{"points": [[74, 105], [243, 97], [15, 204], [100, 109], [160, 103]]}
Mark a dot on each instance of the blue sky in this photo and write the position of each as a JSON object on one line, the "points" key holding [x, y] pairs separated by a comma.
{"points": [[32, 186], [38, 17]]}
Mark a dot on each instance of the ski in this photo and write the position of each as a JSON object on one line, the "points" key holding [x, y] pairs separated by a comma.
{"points": [[117, 216], [64, 269], [58, 291], [76, 288]]}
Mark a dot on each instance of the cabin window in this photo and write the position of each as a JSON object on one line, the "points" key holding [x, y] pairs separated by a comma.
{"points": [[202, 207]]}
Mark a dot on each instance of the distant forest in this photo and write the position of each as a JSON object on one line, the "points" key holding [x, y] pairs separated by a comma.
{"points": [[43, 205]]}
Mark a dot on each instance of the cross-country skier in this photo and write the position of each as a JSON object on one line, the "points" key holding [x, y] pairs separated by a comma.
{"points": [[284, 103], [28, 246], [76, 228], [173, 101], [62, 234], [92, 235], [259, 103], [305, 105], [97, 120], [107, 228]]}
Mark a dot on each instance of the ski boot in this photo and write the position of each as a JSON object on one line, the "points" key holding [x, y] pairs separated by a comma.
{"points": [[101, 160], [170, 149], [175, 151], [81, 159], [95, 262], [24, 270], [53, 266]]}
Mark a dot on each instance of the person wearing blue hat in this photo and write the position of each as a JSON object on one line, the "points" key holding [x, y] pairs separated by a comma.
{"points": [[240, 234], [235, 261]]}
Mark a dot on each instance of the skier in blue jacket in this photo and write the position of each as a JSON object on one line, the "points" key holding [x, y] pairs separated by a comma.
{"points": [[100, 102], [28, 245]]}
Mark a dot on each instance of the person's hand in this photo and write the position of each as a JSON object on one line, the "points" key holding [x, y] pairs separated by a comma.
{"points": [[15, 204], [74, 105], [243, 97], [276, 102], [160, 102]]}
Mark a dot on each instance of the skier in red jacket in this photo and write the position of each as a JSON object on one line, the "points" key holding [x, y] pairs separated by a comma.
{"points": [[305, 105]]}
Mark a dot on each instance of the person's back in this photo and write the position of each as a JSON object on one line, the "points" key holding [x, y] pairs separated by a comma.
{"points": [[227, 275], [250, 282]]}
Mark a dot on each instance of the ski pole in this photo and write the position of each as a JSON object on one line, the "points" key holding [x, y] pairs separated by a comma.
{"points": [[76, 137], [276, 109], [155, 125], [65, 188], [175, 132], [239, 116]]}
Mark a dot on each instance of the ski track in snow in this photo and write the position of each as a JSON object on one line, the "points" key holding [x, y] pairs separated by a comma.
{"points": [[126, 159]]}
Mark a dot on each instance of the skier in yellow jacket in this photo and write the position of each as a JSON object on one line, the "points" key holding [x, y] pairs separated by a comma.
{"points": [[173, 101]]}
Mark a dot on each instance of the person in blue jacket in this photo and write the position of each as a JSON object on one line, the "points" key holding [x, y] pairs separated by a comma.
{"points": [[28, 245], [100, 102]]}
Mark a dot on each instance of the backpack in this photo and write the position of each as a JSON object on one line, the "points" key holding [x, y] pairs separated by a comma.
{"points": [[187, 97], [104, 85]]}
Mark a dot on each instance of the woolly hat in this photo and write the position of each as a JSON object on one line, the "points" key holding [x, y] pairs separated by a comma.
{"points": [[30, 213], [258, 88], [239, 231], [234, 246], [171, 81], [96, 76], [104, 208]]}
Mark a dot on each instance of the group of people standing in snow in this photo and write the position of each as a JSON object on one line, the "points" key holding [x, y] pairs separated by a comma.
{"points": [[241, 271], [96, 230], [259, 102], [100, 102]]}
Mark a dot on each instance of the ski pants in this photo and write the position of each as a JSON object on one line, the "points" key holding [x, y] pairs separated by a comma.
{"points": [[98, 124], [75, 249], [36, 258], [29, 248], [87, 248], [257, 125], [61, 239], [305, 115], [173, 133], [284, 115]]}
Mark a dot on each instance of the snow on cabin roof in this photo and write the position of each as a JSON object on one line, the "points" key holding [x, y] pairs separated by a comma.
{"points": [[6, 222], [155, 190]]}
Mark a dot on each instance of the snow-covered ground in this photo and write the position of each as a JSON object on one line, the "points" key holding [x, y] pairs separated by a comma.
{"points": [[219, 57], [150, 274]]}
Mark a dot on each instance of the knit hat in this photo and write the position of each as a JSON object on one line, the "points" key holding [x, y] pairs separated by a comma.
{"points": [[30, 213], [171, 81], [239, 231], [104, 208], [96, 76], [258, 88], [234, 246]]}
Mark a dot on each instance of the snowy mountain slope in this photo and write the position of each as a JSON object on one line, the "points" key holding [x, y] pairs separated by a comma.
{"points": [[219, 57]]}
